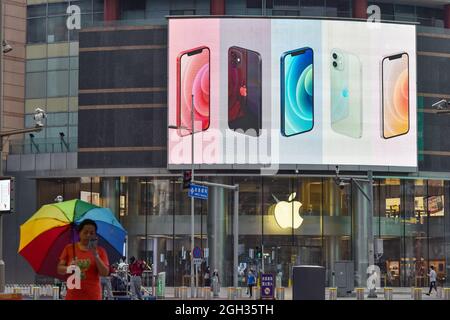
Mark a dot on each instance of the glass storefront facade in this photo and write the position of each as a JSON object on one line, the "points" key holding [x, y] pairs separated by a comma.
{"points": [[410, 223]]}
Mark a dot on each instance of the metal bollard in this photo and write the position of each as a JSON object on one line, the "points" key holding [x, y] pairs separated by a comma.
{"points": [[439, 292], [359, 293], [333, 293], [55, 293], [231, 292], [446, 293], [388, 293], [280, 293], [36, 292], [238, 293], [417, 293], [206, 293], [176, 292], [256, 293], [183, 293]]}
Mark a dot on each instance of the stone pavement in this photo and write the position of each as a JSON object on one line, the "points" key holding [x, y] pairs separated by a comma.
{"points": [[403, 293]]}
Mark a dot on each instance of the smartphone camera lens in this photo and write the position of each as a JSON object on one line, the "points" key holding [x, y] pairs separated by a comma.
{"points": [[335, 56], [335, 64]]}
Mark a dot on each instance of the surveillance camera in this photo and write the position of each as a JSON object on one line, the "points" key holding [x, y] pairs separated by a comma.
{"points": [[6, 47], [341, 185], [59, 199], [39, 116], [440, 105], [337, 170], [297, 171]]}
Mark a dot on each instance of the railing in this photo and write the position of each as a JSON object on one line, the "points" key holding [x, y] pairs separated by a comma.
{"points": [[52, 145]]}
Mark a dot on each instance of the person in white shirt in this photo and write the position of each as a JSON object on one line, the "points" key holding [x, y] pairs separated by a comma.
{"points": [[433, 277]]}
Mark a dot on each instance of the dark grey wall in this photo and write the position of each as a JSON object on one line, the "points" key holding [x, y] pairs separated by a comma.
{"points": [[132, 66], [17, 268], [433, 74]]}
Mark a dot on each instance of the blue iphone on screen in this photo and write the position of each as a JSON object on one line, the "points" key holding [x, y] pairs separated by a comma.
{"points": [[297, 91]]}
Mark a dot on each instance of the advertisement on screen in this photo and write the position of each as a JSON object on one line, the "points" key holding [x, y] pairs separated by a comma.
{"points": [[291, 92], [5, 195]]}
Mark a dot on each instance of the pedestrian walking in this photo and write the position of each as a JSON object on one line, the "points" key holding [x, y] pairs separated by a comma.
{"points": [[207, 278], [137, 267], [215, 283], [251, 282], [433, 277]]}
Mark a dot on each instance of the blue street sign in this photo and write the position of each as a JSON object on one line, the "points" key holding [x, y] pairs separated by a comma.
{"points": [[267, 286], [199, 192], [197, 253]]}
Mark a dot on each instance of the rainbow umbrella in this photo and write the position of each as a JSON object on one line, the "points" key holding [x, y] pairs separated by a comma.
{"points": [[53, 226]]}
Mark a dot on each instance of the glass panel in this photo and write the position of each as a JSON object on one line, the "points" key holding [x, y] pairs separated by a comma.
{"points": [[73, 35], [73, 118], [98, 5], [58, 83], [285, 3], [86, 20], [74, 63], [73, 83], [36, 85], [73, 133], [312, 8], [36, 30], [338, 8], [85, 5], [98, 17], [405, 13], [57, 29], [58, 64], [57, 9], [57, 119], [53, 132], [36, 65], [39, 10]]}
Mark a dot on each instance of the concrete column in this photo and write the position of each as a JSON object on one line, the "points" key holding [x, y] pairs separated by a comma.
{"points": [[110, 194], [362, 231], [217, 7], [332, 208], [447, 16], [111, 10], [132, 217], [217, 223], [360, 9]]}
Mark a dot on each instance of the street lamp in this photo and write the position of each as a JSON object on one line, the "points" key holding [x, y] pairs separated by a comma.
{"points": [[192, 198], [39, 116]]}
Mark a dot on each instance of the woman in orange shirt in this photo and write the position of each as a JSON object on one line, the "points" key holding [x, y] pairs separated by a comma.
{"points": [[91, 259]]}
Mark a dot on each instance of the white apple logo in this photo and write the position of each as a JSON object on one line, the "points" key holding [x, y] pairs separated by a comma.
{"points": [[284, 210]]}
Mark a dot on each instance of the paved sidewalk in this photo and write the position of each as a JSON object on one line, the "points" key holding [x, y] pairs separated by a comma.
{"points": [[403, 293]]}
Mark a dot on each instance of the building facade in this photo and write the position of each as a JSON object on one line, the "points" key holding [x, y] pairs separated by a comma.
{"points": [[105, 90]]}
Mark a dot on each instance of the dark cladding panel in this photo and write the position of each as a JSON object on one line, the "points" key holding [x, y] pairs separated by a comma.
{"points": [[155, 36], [433, 44], [89, 99], [122, 128], [123, 69], [433, 74], [122, 159]]}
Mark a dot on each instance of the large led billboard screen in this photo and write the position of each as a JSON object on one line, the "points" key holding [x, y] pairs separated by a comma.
{"points": [[292, 91]]}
